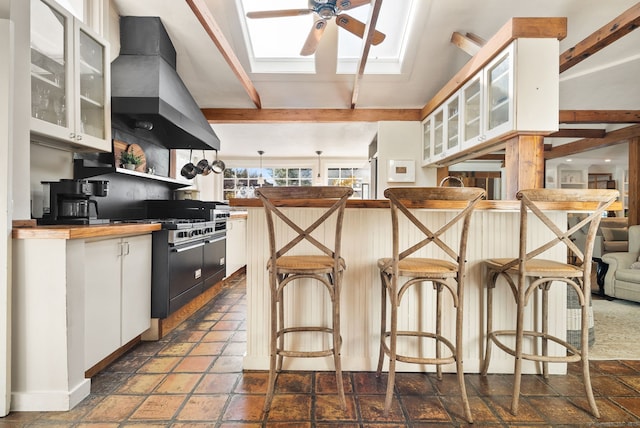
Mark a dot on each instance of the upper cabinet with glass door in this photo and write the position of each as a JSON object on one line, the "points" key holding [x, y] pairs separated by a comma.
{"points": [[515, 93], [70, 96]]}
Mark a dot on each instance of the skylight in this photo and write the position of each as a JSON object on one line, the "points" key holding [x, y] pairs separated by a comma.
{"points": [[274, 44]]}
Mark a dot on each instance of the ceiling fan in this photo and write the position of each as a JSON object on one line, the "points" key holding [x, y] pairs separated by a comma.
{"points": [[325, 10]]}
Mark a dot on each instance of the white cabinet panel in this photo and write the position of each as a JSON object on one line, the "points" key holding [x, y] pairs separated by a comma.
{"points": [[236, 245], [102, 300], [136, 287], [117, 295]]}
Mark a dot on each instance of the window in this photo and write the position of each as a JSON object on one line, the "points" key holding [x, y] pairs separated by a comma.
{"points": [[352, 177], [240, 182]]}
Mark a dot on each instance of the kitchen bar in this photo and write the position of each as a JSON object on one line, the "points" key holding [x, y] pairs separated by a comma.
{"points": [[367, 237]]}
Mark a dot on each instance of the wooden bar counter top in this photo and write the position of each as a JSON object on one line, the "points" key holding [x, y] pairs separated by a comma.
{"points": [[81, 231]]}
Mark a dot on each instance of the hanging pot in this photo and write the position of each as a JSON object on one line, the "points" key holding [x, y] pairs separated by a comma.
{"points": [[203, 167], [217, 166], [189, 171]]}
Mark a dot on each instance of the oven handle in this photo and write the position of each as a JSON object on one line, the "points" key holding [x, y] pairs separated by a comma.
{"points": [[190, 247], [211, 241]]}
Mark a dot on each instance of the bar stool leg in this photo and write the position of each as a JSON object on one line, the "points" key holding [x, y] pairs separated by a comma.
{"points": [[584, 351], [392, 350], [337, 340], [545, 328], [517, 372], [491, 283], [273, 349], [438, 288], [383, 322], [459, 357]]}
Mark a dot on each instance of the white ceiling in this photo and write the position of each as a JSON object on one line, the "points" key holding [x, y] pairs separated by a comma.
{"points": [[607, 80]]}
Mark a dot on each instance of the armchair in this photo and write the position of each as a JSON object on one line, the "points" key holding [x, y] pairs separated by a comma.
{"points": [[622, 280]]}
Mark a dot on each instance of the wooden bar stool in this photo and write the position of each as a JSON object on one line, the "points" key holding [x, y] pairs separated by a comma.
{"points": [[529, 275], [324, 265], [445, 274]]}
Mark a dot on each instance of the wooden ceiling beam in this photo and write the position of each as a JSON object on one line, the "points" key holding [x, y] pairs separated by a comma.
{"points": [[578, 133], [470, 43], [603, 37], [610, 139], [202, 12], [599, 116], [225, 115], [369, 32]]}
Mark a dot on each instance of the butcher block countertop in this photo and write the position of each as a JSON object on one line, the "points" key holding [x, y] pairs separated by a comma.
{"points": [[508, 205], [68, 231]]}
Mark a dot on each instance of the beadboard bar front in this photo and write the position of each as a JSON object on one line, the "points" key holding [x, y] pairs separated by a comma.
{"points": [[367, 237]]}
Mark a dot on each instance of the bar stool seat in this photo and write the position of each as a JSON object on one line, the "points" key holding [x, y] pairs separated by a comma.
{"points": [[531, 276], [406, 269], [317, 261]]}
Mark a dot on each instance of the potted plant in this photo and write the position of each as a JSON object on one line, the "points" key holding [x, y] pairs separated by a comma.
{"points": [[129, 160]]}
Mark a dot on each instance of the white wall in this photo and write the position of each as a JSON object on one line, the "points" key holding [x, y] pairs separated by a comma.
{"points": [[401, 141]]}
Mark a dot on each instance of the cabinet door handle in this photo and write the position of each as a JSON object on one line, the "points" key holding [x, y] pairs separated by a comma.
{"points": [[126, 248]]}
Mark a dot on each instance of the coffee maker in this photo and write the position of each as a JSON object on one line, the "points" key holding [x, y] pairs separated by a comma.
{"points": [[71, 201]]}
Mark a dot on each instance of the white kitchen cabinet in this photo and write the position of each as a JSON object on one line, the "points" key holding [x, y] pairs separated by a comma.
{"points": [[70, 81], [516, 92], [573, 179], [236, 244], [117, 294]]}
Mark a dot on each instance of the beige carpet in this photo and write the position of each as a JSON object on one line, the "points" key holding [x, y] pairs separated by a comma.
{"points": [[617, 330]]}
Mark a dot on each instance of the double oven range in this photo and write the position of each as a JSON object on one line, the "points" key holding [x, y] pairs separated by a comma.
{"points": [[188, 252]]}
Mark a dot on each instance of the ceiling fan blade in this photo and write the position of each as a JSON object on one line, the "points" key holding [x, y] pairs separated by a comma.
{"points": [[278, 13], [311, 44], [355, 3], [356, 27]]}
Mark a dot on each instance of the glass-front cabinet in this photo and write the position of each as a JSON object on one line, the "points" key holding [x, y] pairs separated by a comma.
{"points": [[438, 134], [453, 124], [69, 80], [471, 111], [499, 81], [427, 140]]}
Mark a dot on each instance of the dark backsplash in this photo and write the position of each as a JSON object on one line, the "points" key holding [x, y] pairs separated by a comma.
{"points": [[124, 200]]}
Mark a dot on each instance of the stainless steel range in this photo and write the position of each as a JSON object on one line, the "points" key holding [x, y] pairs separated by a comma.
{"points": [[189, 252]]}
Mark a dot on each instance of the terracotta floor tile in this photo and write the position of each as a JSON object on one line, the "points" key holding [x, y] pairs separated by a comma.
{"points": [[239, 336], [425, 408], [252, 383], [227, 325], [329, 408], [214, 316], [235, 349], [202, 408], [141, 384], [107, 382], [218, 336], [128, 363], [192, 364], [414, 384], [290, 408], [372, 409], [368, 383], [176, 349], [190, 336], [208, 348], [159, 365], [227, 365], [247, 408], [294, 382], [237, 315], [114, 408], [326, 383], [204, 325], [630, 404], [561, 411], [158, 407], [217, 383], [179, 383]]}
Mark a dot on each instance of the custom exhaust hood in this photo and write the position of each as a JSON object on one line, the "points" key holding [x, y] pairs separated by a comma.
{"points": [[147, 91]]}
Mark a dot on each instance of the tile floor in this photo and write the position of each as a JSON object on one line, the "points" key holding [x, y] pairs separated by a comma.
{"points": [[193, 377]]}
